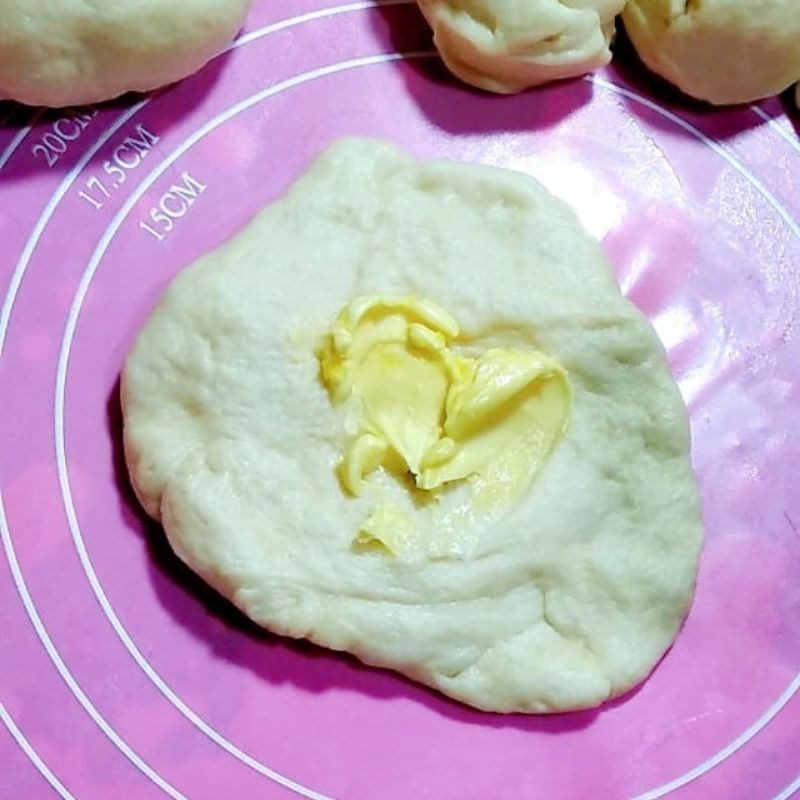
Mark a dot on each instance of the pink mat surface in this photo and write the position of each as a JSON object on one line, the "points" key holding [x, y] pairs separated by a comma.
{"points": [[122, 677]]}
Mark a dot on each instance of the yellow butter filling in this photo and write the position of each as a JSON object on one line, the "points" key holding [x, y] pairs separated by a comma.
{"points": [[427, 412]]}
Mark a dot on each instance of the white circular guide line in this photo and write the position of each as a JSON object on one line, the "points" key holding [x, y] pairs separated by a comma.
{"points": [[310, 16], [60, 391], [60, 396], [719, 148], [33, 756], [241, 40], [739, 742], [328, 12], [63, 670], [5, 316], [19, 136], [792, 789], [777, 127], [49, 210], [283, 25], [794, 686], [71, 176]]}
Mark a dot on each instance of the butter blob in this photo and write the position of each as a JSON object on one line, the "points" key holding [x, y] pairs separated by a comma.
{"points": [[425, 411]]}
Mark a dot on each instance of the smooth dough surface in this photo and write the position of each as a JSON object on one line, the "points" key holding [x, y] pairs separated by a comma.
{"points": [[560, 601], [722, 51], [70, 52], [508, 45]]}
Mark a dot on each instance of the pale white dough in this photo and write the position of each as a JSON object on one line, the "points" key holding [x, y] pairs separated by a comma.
{"points": [[561, 601], [508, 45], [722, 51], [69, 52]]}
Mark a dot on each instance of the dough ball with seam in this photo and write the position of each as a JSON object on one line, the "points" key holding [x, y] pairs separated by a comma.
{"points": [[566, 597], [71, 52], [508, 45], [721, 51]]}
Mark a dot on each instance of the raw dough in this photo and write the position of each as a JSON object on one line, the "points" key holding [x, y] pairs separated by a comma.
{"points": [[560, 601], [508, 45], [722, 51], [70, 52]]}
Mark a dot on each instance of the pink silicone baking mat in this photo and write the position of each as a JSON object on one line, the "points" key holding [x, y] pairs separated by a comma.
{"points": [[123, 677]]}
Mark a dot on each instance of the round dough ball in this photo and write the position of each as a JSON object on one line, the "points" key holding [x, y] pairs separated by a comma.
{"points": [[73, 52], [722, 51], [508, 45], [560, 600]]}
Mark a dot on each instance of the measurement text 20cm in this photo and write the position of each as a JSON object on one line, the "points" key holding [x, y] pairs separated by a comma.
{"points": [[59, 134]]}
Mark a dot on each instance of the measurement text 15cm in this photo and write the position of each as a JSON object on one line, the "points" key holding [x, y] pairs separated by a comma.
{"points": [[171, 206]]}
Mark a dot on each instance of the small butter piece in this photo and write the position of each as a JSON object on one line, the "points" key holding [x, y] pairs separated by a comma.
{"points": [[440, 417], [365, 455], [389, 527]]}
